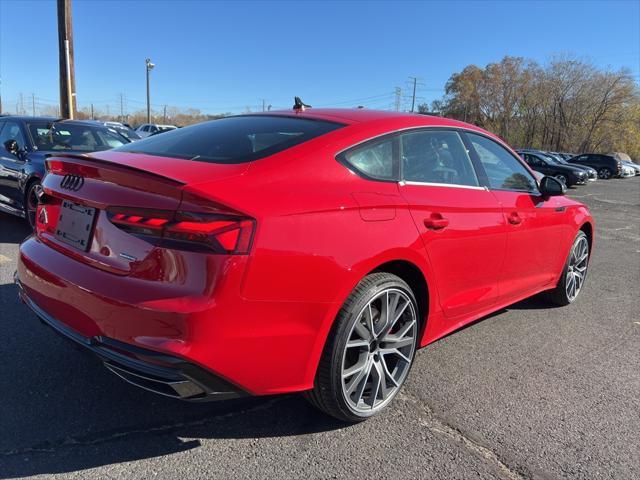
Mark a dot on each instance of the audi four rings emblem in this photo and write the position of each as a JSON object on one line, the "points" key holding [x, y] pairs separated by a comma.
{"points": [[72, 182]]}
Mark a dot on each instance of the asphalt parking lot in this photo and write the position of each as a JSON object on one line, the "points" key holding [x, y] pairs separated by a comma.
{"points": [[529, 392]]}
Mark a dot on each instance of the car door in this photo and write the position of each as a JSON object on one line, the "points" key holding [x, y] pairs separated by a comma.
{"points": [[460, 221], [11, 166], [534, 223]]}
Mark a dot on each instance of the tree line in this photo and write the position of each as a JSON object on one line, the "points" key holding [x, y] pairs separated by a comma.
{"points": [[567, 105]]}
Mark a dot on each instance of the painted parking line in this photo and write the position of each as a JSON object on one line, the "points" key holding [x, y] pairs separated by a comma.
{"points": [[4, 259]]}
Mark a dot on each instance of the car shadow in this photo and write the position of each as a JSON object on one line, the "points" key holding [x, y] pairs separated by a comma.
{"points": [[13, 229], [59, 403]]}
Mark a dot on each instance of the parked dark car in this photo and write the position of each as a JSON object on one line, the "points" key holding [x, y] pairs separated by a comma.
{"points": [[560, 158], [567, 174], [25, 142], [606, 165]]}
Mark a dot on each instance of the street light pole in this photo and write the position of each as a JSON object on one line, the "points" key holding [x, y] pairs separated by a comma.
{"points": [[150, 66]]}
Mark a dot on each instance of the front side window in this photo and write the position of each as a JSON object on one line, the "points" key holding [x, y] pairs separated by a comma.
{"points": [[533, 160], [437, 156], [504, 170], [374, 159], [233, 139]]}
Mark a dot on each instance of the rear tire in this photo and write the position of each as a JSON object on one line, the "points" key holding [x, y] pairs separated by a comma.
{"points": [[574, 273], [605, 173], [31, 204], [369, 351]]}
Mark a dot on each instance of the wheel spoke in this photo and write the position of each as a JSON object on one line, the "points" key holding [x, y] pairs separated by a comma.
{"points": [[395, 351], [357, 343], [361, 329], [360, 379], [358, 367], [376, 382], [400, 333], [387, 373], [398, 343]]}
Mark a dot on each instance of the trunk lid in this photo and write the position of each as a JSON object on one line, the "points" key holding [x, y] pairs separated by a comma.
{"points": [[81, 191]]}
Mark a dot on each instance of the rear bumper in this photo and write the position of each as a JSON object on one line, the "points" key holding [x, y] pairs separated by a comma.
{"points": [[194, 314], [157, 372]]}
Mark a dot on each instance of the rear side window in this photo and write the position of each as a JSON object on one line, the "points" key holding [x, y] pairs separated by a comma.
{"points": [[436, 157], [504, 170], [374, 159], [233, 139]]}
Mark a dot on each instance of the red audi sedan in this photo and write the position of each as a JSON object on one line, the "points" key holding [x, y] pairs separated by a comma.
{"points": [[310, 250]]}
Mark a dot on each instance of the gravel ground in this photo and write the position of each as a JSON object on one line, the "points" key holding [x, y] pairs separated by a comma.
{"points": [[529, 392]]}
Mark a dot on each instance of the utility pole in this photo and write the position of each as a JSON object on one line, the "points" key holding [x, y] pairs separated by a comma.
{"points": [[413, 98], [66, 64], [398, 98], [22, 112], [121, 107], [0, 96], [264, 105], [149, 66], [164, 115], [92, 115], [33, 104]]}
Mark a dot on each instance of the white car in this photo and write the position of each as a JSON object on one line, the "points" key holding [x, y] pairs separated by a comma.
{"points": [[634, 166], [627, 171], [147, 129]]}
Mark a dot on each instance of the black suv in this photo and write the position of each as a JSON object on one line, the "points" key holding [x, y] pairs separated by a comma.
{"points": [[606, 165], [25, 143], [568, 174]]}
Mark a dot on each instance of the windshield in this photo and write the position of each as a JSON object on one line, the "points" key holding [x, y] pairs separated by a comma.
{"points": [[61, 136], [126, 132], [232, 139]]}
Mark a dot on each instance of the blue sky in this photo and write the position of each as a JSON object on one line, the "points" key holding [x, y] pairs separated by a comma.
{"points": [[219, 56]]}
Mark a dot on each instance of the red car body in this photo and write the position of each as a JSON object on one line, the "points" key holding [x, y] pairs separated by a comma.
{"points": [[258, 321]]}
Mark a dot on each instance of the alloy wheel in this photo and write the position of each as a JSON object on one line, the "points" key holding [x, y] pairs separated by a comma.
{"points": [[577, 268], [32, 205], [604, 173], [379, 351], [562, 178]]}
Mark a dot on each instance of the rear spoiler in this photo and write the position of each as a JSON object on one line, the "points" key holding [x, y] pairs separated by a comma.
{"points": [[90, 159]]}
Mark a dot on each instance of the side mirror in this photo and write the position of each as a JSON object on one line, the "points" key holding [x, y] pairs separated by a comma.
{"points": [[12, 147], [552, 187]]}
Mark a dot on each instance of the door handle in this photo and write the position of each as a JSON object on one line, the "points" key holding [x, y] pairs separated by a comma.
{"points": [[436, 222], [514, 218]]}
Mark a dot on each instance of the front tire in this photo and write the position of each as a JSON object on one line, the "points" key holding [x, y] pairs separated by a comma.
{"points": [[369, 351], [563, 179], [574, 272]]}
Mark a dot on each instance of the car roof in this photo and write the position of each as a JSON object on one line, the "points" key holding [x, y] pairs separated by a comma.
{"points": [[346, 115], [28, 118], [363, 116]]}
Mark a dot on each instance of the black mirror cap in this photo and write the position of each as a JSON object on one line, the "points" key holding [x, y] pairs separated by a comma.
{"points": [[12, 147], [552, 187]]}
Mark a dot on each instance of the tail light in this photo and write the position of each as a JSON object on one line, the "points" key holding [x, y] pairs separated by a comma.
{"points": [[212, 233]]}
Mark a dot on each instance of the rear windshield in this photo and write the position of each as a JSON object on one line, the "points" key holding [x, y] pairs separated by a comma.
{"points": [[232, 139]]}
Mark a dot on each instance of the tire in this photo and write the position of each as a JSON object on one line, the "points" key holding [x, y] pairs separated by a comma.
{"points": [[563, 179], [605, 173], [576, 266], [31, 204], [360, 372]]}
